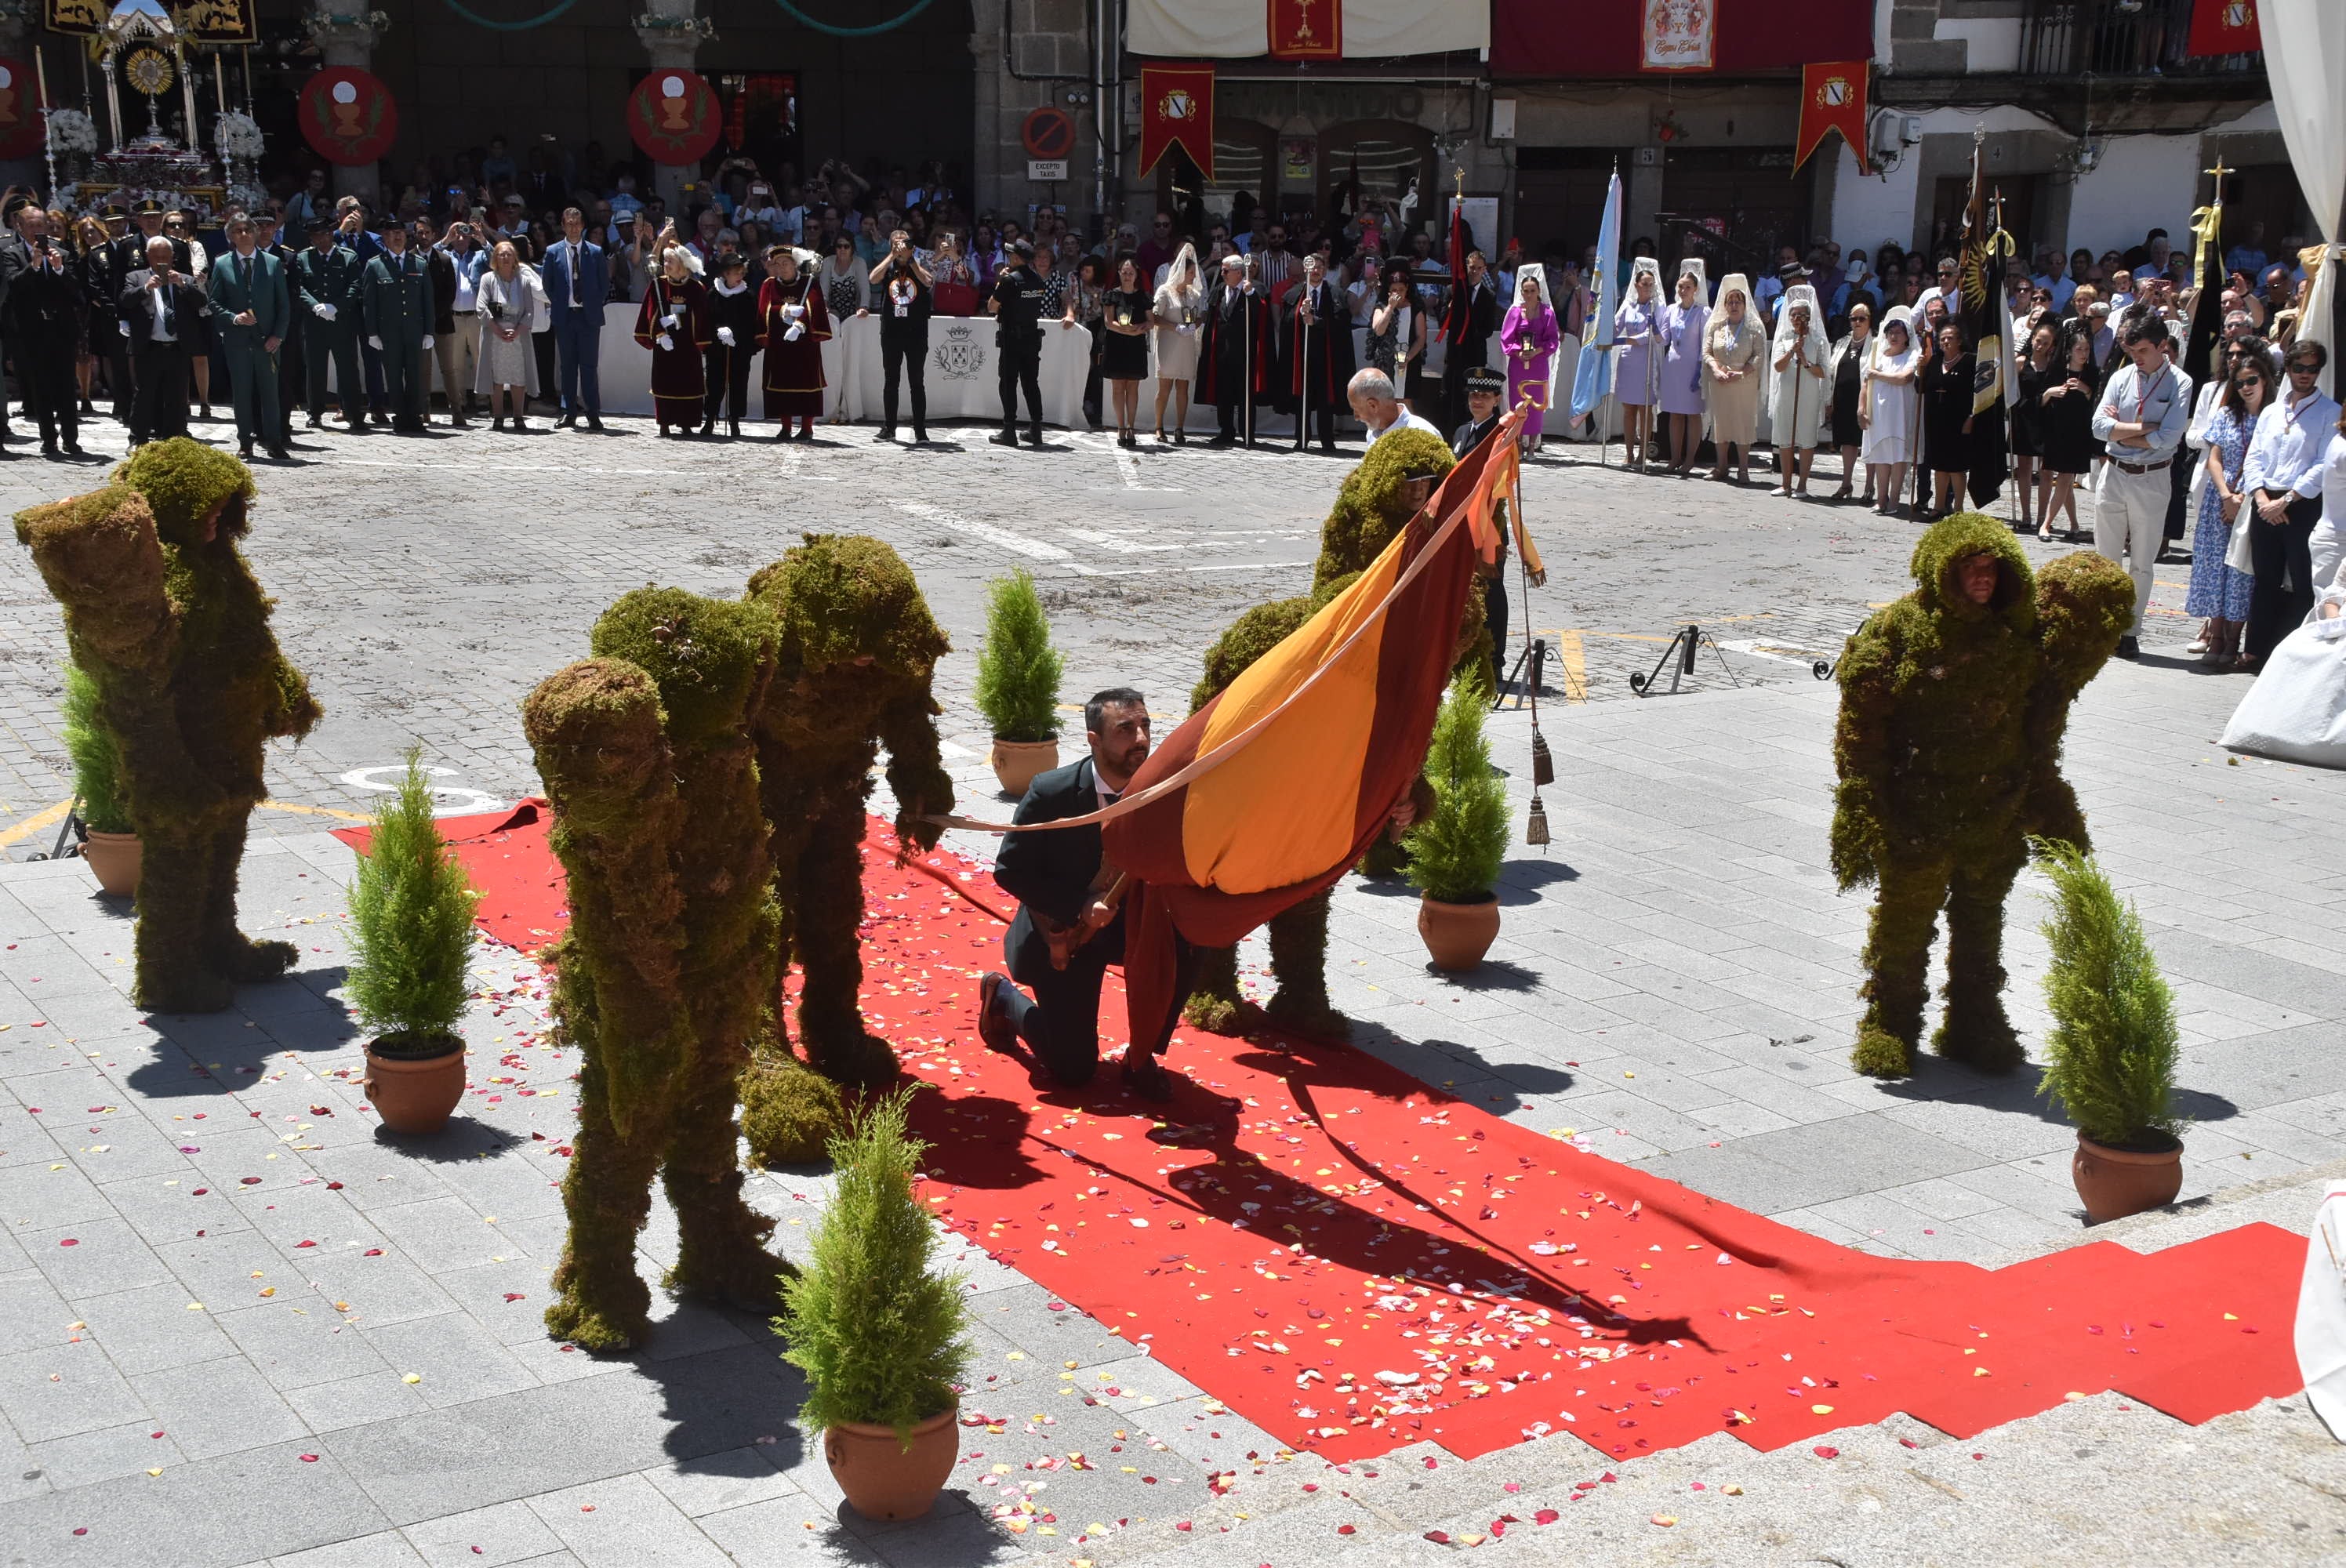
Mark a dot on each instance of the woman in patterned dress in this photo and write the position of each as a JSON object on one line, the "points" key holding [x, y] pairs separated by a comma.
{"points": [[2219, 591]]}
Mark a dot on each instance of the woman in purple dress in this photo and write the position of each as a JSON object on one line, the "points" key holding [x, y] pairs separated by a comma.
{"points": [[1635, 326], [1681, 378], [1529, 335]]}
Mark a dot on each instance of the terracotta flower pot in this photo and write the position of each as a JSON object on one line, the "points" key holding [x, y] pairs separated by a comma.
{"points": [[1017, 762], [1458, 935], [114, 860], [2114, 1182], [882, 1478], [414, 1093]]}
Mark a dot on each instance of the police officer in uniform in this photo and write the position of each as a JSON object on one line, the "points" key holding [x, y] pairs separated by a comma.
{"points": [[105, 268], [1016, 306], [396, 300], [325, 280]]}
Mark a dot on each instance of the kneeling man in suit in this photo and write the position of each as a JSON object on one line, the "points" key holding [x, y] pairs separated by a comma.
{"points": [[1070, 924]]}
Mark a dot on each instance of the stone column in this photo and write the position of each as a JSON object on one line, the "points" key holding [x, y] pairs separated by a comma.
{"points": [[345, 33], [672, 35]]}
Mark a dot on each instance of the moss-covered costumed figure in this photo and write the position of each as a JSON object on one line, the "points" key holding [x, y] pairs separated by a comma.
{"points": [[164, 614], [667, 973], [858, 651], [1954, 703], [1375, 503]]}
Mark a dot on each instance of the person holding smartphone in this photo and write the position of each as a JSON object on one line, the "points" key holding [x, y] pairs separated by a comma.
{"points": [[902, 293]]}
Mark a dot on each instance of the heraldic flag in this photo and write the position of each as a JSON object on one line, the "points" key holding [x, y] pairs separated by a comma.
{"points": [[1268, 794]]}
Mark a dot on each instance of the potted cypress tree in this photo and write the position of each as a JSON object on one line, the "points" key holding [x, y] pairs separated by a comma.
{"points": [[1456, 850], [411, 908], [2110, 1059], [882, 1339], [110, 838], [1018, 674]]}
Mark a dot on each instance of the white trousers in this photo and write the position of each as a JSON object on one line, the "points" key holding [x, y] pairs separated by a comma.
{"points": [[2130, 524], [2328, 548]]}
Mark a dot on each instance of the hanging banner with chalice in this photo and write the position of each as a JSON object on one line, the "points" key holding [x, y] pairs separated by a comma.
{"points": [[218, 22], [673, 117], [346, 116], [20, 109]]}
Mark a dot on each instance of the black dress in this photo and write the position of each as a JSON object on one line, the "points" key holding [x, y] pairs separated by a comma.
{"points": [[1849, 391], [2028, 408], [1946, 406], [2065, 426], [1123, 356]]}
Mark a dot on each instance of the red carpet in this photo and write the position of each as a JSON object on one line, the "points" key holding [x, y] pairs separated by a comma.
{"points": [[1355, 1261]]}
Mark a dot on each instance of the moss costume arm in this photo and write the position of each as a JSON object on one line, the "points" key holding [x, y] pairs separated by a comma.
{"points": [[916, 772], [1861, 751], [292, 711], [2085, 603], [597, 729]]}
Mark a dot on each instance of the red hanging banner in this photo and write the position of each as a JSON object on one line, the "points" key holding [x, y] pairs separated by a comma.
{"points": [[1306, 29], [2224, 27], [1176, 110], [346, 116], [21, 126], [673, 117], [1832, 97]]}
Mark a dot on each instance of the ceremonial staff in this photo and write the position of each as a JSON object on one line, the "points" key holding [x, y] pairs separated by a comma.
{"points": [[1303, 308], [1246, 337]]}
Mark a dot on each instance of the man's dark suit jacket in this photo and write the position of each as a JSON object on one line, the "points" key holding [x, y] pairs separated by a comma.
{"points": [[188, 304], [1053, 873]]}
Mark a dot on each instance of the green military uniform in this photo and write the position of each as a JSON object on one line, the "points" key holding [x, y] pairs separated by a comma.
{"points": [[254, 283], [326, 286], [397, 297]]}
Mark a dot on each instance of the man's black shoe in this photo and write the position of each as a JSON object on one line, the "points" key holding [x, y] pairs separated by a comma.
{"points": [[567, 422], [243, 448], [992, 1027], [708, 426], [1223, 441], [920, 436], [279, 454], [380, 416], [733, 428], [72, 448], [885, 433], [317, 424], [595, 422], [1007, 438], [1033, 436], [49, 447], [2129, 647], [1147, 1079]]}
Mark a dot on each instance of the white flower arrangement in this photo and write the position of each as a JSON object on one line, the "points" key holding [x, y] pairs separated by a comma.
{"points": [[250, 197], [70, 130], [238, 136]]}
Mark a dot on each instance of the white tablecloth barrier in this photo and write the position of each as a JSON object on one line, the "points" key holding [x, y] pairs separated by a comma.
{"points": [[960, 375], [960, 372]]}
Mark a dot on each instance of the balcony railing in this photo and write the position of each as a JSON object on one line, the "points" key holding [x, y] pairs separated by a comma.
{"points": [[2116, 38]]}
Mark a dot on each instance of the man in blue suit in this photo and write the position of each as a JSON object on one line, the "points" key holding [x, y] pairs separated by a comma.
{"points": [[253, 312], [578, 282]]}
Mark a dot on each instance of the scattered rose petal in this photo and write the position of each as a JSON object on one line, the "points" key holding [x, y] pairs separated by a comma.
{"points": [[1823, 1451], [309, 1459]]}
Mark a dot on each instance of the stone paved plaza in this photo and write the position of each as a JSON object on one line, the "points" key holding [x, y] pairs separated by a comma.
{"points": [[239, 1327]]}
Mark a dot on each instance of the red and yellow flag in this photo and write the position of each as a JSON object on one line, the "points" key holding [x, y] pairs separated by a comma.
{"points": [[2224, 27], [1305, 29], [1832, 97], [1176, 110], [1287, 776]]}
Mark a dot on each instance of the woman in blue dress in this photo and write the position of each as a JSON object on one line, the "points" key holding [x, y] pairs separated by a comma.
{"points": [[1636, 327], [1681, 378], [2219, 591]]}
